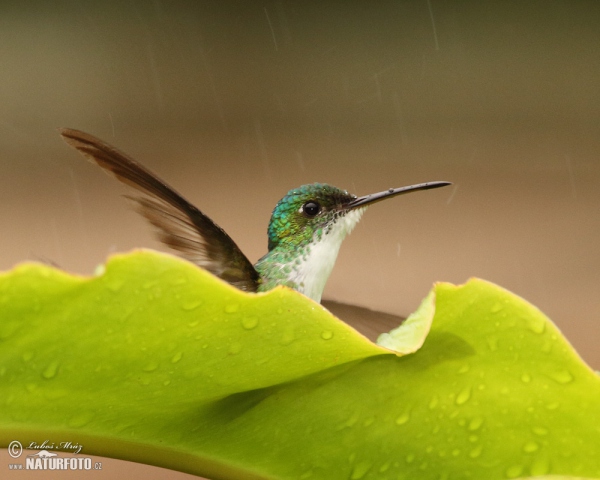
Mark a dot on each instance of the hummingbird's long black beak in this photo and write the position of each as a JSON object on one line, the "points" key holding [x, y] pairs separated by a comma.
{"points": [[392, 192]]}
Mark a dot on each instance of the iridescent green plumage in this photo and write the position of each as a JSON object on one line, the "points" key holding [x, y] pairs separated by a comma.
{"points": [[288, 226]]}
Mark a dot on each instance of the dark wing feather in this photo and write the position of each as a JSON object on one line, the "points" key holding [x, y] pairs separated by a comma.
{"points": [[180, 225]]}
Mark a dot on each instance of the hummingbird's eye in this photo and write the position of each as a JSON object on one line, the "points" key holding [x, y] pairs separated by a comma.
{"points": [[311, 209]]}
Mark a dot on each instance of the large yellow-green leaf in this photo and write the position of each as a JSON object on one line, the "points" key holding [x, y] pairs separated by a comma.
{"points": [[159, 362]]}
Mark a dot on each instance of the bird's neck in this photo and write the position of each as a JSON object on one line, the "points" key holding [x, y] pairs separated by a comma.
{"points": [[306, 267]]}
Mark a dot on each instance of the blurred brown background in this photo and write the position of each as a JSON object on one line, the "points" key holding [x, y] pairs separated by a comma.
{"points": [[234, 103]]}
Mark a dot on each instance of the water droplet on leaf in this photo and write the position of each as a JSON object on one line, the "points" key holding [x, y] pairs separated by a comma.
{"points": [[287, 338], [80, 419], [514, 471], [176, 357], [178, 281], [327, 335], [464, 368], [249, 322], [464, 396], [191, 305], [537, 325], [497, 307], [540, 466], [232, 308], [51, 370], [402, 419], [562, 376], [475, 423], [530, 447], [476, 452], [27, 356], [7, 328], [150, 367], [149, 284], [492, 343], [360, 470]]}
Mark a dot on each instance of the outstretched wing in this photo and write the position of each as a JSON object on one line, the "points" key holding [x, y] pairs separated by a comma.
{"points": [[180, 225]]}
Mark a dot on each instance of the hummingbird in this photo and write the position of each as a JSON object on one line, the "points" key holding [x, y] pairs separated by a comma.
{"points": [[307, 227]]}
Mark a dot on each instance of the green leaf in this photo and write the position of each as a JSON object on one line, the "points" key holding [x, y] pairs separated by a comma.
{"points": [[157, 361], [409, 337]]}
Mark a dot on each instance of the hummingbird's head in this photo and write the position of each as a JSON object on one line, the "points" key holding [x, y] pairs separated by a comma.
{"points": [[306, 231], [307, 211], [312, 210]]}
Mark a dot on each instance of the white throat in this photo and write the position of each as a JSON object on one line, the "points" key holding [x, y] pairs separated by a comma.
{"points": [[312, 273]]}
